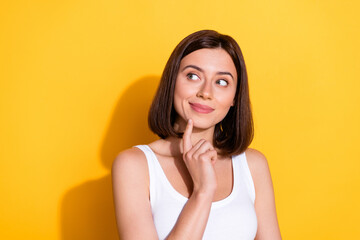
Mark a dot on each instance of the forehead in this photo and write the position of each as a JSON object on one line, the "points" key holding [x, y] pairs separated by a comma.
{"points": [[216, 59]]}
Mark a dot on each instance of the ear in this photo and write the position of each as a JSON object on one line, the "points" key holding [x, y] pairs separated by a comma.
{"points": [[233, 103]]}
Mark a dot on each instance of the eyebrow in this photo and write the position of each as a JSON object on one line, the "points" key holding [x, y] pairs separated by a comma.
{"points": [[199, 69]]}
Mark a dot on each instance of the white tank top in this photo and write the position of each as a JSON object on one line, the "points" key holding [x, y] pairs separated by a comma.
{"points": [[230, 218]]}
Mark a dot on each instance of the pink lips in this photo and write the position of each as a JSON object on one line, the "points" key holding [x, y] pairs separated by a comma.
{"points": [[201, 108]]}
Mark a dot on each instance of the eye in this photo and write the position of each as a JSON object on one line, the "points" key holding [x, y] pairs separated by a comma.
{"points": [[192, 76], [222, 82]]}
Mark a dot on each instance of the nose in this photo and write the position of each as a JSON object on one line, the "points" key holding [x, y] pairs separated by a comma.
{"points": [[205, 90]]}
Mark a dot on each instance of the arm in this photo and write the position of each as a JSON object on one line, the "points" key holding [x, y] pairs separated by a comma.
{"points": [[130, 178], [131, 193], [268, 227], [193, 218], [199, 160]]}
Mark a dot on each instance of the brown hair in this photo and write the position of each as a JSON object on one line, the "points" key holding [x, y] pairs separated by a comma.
{"points": [[235, 132]]}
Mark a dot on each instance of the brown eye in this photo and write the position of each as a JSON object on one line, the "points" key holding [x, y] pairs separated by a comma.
{"points": [[222, 82], [192, 76]]}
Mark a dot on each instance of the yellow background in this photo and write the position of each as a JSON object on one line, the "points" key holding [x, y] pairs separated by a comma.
{"points": [[77, 78]]}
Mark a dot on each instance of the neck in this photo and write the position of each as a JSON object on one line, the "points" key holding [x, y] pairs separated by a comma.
{"points": [[197, 135], [206, 134]]}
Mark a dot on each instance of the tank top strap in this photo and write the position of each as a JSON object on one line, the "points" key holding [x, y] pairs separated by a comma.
{"points": [[159, 183], [152, 166], [242, 174]]}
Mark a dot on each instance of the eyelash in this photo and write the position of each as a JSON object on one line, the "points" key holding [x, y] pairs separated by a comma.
{"points": [[227, 83], [190, 75]]}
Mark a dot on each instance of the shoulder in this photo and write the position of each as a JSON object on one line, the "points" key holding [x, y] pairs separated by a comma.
{"points": [[129, 156], [268, 227], [128, 162], [130, 182], [257, 163], [255, 158]]}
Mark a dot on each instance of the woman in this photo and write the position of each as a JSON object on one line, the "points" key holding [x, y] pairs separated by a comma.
{"points": [[200, 179]]}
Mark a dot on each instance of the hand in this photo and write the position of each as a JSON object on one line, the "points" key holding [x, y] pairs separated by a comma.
{"points": [[199, 160]]}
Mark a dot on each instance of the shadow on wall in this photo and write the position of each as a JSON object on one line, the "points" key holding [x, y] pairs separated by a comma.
{"points": [[87, 210]]}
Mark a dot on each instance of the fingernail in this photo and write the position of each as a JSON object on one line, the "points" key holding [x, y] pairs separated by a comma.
{"points": [[190, 121]]}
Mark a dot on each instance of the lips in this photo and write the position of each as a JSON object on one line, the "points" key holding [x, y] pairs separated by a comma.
{"points": [[200, 108]]}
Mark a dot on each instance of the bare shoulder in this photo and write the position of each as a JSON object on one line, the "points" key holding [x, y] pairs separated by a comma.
{"points": [[129, 155], [130, 161], [256, 158], [130, 178], [268, 227], [257, 162]]}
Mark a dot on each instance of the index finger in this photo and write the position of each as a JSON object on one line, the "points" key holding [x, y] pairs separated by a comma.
{"points": [[187, 145]]}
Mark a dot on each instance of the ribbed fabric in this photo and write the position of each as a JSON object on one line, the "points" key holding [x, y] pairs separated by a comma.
{"points": [[230, 218]]}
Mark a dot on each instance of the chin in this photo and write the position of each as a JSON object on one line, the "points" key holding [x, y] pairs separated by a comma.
{"points": [[203, 123]]}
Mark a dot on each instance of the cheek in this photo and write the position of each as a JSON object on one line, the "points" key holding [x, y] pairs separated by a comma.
{"points": [[183, 91], [183, 87], [179, 97], [227, 100]]}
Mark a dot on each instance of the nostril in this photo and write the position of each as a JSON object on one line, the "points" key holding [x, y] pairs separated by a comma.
{"points": [[204, 95]]}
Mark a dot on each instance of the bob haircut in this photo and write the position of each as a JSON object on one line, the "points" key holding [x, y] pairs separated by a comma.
{"points": [[235, 132]]}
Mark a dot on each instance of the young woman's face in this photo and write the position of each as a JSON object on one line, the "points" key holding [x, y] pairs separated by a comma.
{"points": [[205, 87]]}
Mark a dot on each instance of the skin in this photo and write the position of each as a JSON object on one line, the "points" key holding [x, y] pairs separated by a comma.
{"points": [[192, 165]]}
